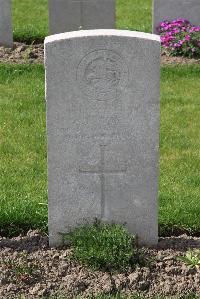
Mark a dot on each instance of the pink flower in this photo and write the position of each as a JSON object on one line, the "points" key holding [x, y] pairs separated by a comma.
{"points": [[187, 38], [180, 37]]}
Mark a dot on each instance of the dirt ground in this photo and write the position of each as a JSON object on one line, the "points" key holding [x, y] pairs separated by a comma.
{"points": [[30, 268], [22, 53]]}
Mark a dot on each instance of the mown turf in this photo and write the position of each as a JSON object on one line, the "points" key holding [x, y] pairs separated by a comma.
{"points": [[134, 15], [23, 189], [30, 18], [23, 192], [180, 149]]}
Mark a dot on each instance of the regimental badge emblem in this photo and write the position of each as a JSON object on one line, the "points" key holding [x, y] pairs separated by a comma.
{"points": [[102, 75]]}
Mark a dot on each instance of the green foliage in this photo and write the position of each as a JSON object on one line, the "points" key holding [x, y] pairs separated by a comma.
{"points": [[103, 246], [191, 258]]}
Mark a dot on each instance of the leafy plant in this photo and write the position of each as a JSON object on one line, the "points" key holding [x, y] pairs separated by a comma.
{"points": [[180, 37], [191, 258], [104, 246]]}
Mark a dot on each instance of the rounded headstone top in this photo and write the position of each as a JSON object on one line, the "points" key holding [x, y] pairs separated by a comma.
{"points": [[101, 32]]}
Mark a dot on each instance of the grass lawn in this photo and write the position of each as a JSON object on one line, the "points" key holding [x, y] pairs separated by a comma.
{"points": [[23, 192], [22, 148], [30, 17], [134, 15], [180, 149], [30, 20]]}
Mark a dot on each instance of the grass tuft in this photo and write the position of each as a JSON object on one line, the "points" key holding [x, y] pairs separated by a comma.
{"points": [[103, 246]]}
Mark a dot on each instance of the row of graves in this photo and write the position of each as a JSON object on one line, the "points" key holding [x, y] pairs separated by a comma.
{"points": [[102, 97], [73, 15]]}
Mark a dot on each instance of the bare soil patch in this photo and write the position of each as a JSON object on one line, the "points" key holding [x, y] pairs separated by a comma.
{"points": [[23, 53], [30, 268], [166, 59]]}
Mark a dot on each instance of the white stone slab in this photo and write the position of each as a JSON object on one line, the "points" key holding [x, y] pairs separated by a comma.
{"points": [[102, 92], [71, 15], [6, 35], [173, 9]]}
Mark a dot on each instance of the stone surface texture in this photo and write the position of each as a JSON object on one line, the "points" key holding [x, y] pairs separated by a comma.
{"points": [[6, 35], [72, 15], [173, 9], [102, 92]]}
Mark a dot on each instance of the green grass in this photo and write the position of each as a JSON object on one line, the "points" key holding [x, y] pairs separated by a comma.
{"points": [[103, 246], [30, 18], [134, 15], [23, 149], [180, 149]]}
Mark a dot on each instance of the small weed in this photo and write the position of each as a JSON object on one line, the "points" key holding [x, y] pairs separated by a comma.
{"points": [[191, 258], [28, 51], [104, 246]]}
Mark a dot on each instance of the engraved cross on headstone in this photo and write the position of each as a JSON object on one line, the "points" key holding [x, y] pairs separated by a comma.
{"points": [[102, 171]]}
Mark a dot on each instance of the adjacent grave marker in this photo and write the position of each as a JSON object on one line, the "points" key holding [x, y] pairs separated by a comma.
{"points": [[6, 35], [102, 92], [173, 9], [71, 15]]}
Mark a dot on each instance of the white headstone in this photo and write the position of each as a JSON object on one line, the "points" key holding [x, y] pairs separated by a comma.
{"points": [[72, 15], [102, 92], [174, 9], [6, 35]]}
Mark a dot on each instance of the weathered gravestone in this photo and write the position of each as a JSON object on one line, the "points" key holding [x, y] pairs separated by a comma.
{"points": [[71, 15], [173, 9], [6, 36], [102, 92]]}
